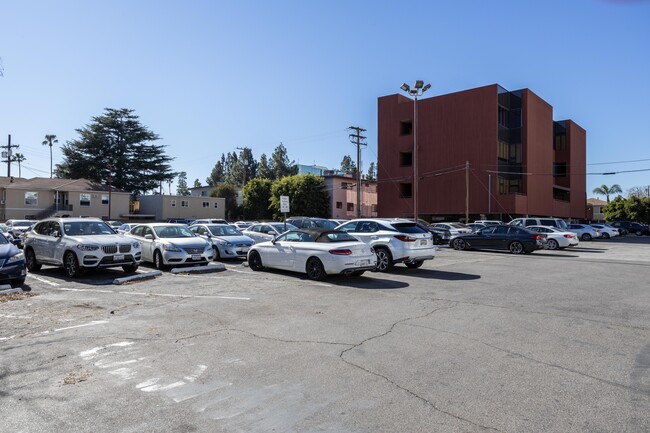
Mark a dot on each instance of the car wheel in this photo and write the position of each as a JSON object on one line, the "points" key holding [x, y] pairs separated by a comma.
{"points": [[217, 256], [129, 269], [71, 265], [460, 244], [516, 247], [357, 273], [30, 259], [315, 269], [255, 261], [414, 264], [158, 261], [605, 235], [639, 233], [586, 237], [384, 259], [552, 244]]}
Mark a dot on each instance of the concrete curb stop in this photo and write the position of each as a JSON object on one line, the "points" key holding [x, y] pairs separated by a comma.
{"points": [[6, 289], [215, 267], [135, 277]]}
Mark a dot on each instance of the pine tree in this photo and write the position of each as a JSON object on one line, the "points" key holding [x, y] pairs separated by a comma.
{"points": [[372, 172], [280, 164], [181, 186]]}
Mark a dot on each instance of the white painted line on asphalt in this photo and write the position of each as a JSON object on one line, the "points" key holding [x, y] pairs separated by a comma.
{"points": [[124, 373], [101, 364], [7, 338], [43, 280], [167, 295], [147, 383], [86, 290], [11, 316], [198, 372], [90, 353], [161, 387], [93, 323]]}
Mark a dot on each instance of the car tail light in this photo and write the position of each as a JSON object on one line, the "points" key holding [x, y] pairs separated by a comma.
{"points": [[568, 236], [341, 252], [372, 250], [537, 237], [405, 238]]}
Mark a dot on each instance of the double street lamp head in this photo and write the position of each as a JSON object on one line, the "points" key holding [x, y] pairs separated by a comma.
{"points": [[418, 88]]}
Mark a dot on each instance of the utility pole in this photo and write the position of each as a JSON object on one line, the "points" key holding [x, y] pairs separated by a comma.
{"points": [[466, 192], [357, 139], [7, 154]]}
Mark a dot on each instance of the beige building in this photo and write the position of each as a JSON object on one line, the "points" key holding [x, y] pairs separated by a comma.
{"points": [[595, 209], [164, 207], [343, 196], [39, 198]]}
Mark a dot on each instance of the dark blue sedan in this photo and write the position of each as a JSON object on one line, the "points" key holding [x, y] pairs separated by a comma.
{"points": [[517, 240], [12, 263]]}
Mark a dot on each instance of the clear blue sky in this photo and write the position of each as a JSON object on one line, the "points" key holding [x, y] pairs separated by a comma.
{"points": [[210, 76]]}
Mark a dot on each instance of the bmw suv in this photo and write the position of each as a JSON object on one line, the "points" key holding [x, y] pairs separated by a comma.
{"points": [[395, 240], [78, 244]]}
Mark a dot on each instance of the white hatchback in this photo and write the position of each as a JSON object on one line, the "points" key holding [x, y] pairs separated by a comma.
{"points": [[395, 240]]}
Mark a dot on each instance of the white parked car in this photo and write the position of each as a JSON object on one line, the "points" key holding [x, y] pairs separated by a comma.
{"points": [[606, 230], [455, 229], [395, 240], [316, 252], [17, 227], [262, 232], [169, 244], [557, 238], [584, 231], [126, 227], [227, 242], [79, 244]]}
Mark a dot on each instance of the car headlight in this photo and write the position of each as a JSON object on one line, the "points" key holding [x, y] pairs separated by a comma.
{"points": [[88, 247], [172, 248], [136, 244], [224, 243], [208, 247], [17, 258]]}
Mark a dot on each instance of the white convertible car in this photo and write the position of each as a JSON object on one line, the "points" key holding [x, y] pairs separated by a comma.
{"points": [[317, 252]]}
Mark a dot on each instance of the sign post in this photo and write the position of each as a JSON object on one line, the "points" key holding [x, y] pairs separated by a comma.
{"points": [[284, 208]]}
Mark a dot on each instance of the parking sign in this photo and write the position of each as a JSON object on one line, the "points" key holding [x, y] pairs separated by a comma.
{"points": [[284, 203]]}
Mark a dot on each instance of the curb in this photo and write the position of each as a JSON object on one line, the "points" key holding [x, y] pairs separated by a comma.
{"points": [[6, 289], [214, 267], [141, 276]]}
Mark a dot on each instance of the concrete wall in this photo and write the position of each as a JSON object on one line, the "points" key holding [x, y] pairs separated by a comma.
{"points": [[171, 206]]}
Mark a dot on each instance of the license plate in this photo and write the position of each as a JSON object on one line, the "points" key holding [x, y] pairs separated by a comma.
{"points": [[118, 257], [362, 262], [196, 256], [423, 241], [243, 251]]}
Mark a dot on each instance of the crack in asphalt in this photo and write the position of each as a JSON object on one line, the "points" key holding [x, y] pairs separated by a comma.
{"points": [[537, 361], [392, 382]]}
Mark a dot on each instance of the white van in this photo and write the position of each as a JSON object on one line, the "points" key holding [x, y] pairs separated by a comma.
{"points": [[525, 222]]}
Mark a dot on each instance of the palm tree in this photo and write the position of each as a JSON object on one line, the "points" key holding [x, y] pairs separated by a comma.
{"points": [[607, 190], [49, 139], [19, 157]]}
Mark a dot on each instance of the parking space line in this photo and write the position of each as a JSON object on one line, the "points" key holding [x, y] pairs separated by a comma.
{"points": [[43, 280], [166, 295]]}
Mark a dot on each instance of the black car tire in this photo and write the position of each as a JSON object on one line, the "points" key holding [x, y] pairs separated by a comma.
{"points": [[639, 233], [384, 259], [158, 260], [30, 261], [585, 237], [71, 265], [605, 235], [552, 244], [516, 247], [255, 261], [315, 269], [129, 269], [460, 244], [217, 256], [414, 264]]}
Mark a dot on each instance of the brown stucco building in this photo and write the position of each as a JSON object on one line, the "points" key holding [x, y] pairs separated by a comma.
{"points": [[502, 146]]}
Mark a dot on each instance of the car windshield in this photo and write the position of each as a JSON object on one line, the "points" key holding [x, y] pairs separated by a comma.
{"points": [[3, 240], [280, 227], [22, 224], [87, 228], [458, 225], [326, 224], [224, 231], [173, 232]]}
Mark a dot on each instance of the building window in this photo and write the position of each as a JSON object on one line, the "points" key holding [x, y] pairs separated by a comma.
{"points": [[503, 151], [406, 127], [350, 207], [560, 169], [173, 203], [504, 117], [561, 194], [339, 205], [373, 208], [31, 198], [560, 142], [216, 204], [104, 198], [344, 185], [84, 199], [206, 204], [185, 203], [30, 217], [509, 186], [204, 193], [406, 190], [406, 159]]}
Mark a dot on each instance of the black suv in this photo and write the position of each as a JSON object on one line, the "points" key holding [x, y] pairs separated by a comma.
{"points": [[310, 223], [631, 227]]}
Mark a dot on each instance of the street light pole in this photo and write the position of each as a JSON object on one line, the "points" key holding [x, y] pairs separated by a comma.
{"points": [[418, 89]]}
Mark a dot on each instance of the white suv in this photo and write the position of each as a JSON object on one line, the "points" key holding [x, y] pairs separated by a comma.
{"points": [[395, 240], [77, 244]]}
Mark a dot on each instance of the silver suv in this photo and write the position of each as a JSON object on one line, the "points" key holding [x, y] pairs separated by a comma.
{"points": [[395, 240], [77, 244]]}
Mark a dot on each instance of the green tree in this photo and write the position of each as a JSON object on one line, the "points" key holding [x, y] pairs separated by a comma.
{"points": [[49, 140], [264, 170], [217, 175], [348, 166], [638, 209], [615, 210], [181, 185], [372, 172], [197, 183], [257, 196], [19, 158], [307, 195], [608, 190], [280, 163], [116, 141], [229, 192]]}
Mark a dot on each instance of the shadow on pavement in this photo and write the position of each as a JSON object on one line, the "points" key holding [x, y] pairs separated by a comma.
{"points": [[435, 274]]}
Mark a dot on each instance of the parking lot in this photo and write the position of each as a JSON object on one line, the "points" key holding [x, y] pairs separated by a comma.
{"points": [[554, 341]]}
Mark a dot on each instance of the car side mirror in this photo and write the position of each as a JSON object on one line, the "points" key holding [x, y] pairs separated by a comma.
{"points": [[148, 236]]}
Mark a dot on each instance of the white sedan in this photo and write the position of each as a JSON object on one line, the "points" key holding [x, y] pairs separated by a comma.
{"points": [[606, 230], [557, 238], [317, 252]]}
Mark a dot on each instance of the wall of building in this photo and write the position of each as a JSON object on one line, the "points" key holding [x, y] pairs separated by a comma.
{"points": [[342, 192], [172, 206]]}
